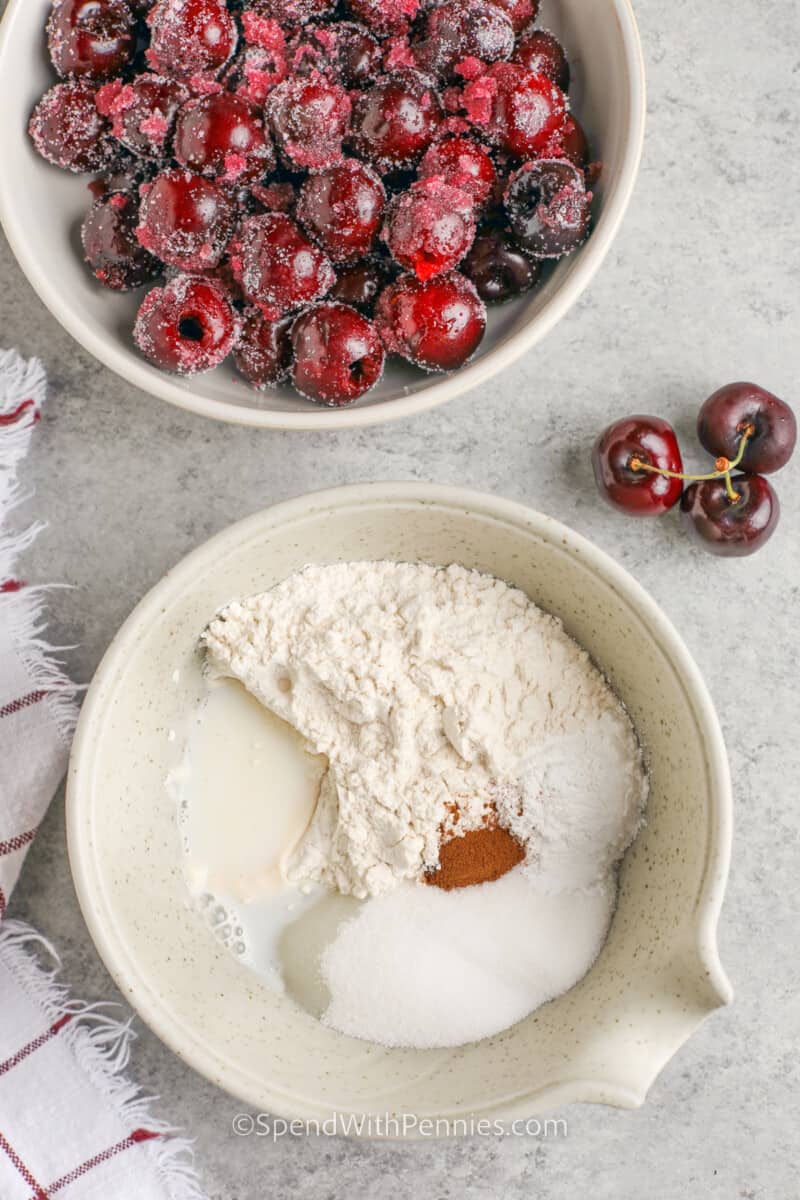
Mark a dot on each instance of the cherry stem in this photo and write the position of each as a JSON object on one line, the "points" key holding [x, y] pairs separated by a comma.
{"points": [[722, 467]]}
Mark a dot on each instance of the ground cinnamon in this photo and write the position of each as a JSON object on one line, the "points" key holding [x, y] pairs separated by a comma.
{"points": [[478, 856]]}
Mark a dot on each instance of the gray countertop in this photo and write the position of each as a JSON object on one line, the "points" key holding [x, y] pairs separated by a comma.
{"points": [[701, 287]]}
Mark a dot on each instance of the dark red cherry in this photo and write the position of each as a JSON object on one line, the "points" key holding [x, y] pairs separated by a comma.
{"points": [[343, 208], [385, 17], [276, 265], [519, 111], [498, 268], [463, 163], [94, 38], [338, 355], [222, 136], [309, 117], [345, 50], [731, 528], [187, 326], [142, 113], [463, 29], [263, 353], [69, 132], [360, 285], [185, 220], [290, 12], [190, 37], [636, 492], [520, 12], [738, 406], [112, 250], [430, 227], [394, 121], [548, 207], [437, 323], [542, 54]]}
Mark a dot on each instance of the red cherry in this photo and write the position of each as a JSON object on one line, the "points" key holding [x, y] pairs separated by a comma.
{"points": [[385, 17], [520, 12], [650, 441], [343, 209], [462, 163], [290, 12], [309, 116], [263, 353], [143, 112], [731, 528], [738, 406], [90, 37], [113, 253], [520, 111], [185, 220], [190, 37], [395, 121], [277, 266], [360, 285], [430, 227], [222, 136], [187, 326], [338, 355], [543, 54], [460, 30], [437, 324]]}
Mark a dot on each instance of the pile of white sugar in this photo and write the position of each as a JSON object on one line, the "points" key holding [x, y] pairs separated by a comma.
{"points": [[430, 689]]}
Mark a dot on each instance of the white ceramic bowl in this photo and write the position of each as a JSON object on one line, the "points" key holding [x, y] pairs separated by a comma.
{"points": [[606, 1040], [41, 209]]}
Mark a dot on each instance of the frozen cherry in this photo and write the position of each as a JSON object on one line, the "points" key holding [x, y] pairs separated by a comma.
{"points": [[430, 227], [570, 142], [385, 17], [222, 136], [740, 407], [437, 324], [463, 163], [276, 265], [112, 251], [518, 110], [520, 12], [361, 284], [342, 208], [549, 209], [291, 12], [90, 37], [69, 132], [309, 117], [142, 113], [260, 63], [185, 220], [263, 353], [338, 354], [187, 326], [460, 30], [345, 50], [190, 37], [731, 528], [395, 121], [543, 54], [617, 454], [498, 268]]}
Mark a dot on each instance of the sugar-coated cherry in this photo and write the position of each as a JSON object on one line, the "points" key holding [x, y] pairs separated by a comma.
{"points": [[742, 406], [343, 208], [436, 324], [362, 283], [276, 265], [185, 220], [395, 121], [520, 12], [463, 163], [498, 268], [291, 12], [222, 136], [430, 227], [94, 38], [385, 17], [461, 30], [142, 112], [518, 110], [187, 326], [619, 448], [338, 355], [309, 117], [731, 528], [190, 37], [263, 353], [543, 54], [345, 50], [69, 132], [570, 143], [114, 254], [548, 207]]}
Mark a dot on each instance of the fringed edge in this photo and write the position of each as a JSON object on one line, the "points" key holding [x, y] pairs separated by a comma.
{"points": [[101, 1045]]}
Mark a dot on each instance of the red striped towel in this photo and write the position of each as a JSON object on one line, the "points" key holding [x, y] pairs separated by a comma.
{"points": [[72, 1127]]}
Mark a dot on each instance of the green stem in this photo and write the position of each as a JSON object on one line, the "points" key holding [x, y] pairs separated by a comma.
{"points": [[723, 467]]}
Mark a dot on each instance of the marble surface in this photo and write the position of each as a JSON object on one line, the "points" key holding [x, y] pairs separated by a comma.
{"points": [[701, 287]]}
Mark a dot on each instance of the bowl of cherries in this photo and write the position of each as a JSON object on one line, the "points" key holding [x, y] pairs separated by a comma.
{"points": [[315, 213], [731, 510]]}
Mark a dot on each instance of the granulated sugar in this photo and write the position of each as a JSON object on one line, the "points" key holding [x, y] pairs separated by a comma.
{"points": [[421, 967]]}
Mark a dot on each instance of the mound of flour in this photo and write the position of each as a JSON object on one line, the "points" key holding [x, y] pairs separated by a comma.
{"points": [[431, 689]]}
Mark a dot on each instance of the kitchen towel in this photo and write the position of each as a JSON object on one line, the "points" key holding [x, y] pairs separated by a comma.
{"points": [[71, 1125]]}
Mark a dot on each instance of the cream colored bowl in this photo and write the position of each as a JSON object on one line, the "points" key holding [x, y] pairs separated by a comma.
{"points": [[657, 977], [41, 209]]}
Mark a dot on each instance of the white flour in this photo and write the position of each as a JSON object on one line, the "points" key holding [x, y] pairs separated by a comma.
{"points": [[427, 687]]}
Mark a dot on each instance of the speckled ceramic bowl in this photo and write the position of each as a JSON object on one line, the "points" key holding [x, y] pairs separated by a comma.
{"points": [[606, 1040], [41, 209]]}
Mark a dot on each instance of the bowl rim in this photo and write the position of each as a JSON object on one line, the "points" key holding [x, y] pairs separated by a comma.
{"points": [[446, 387], [79, 800]]}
